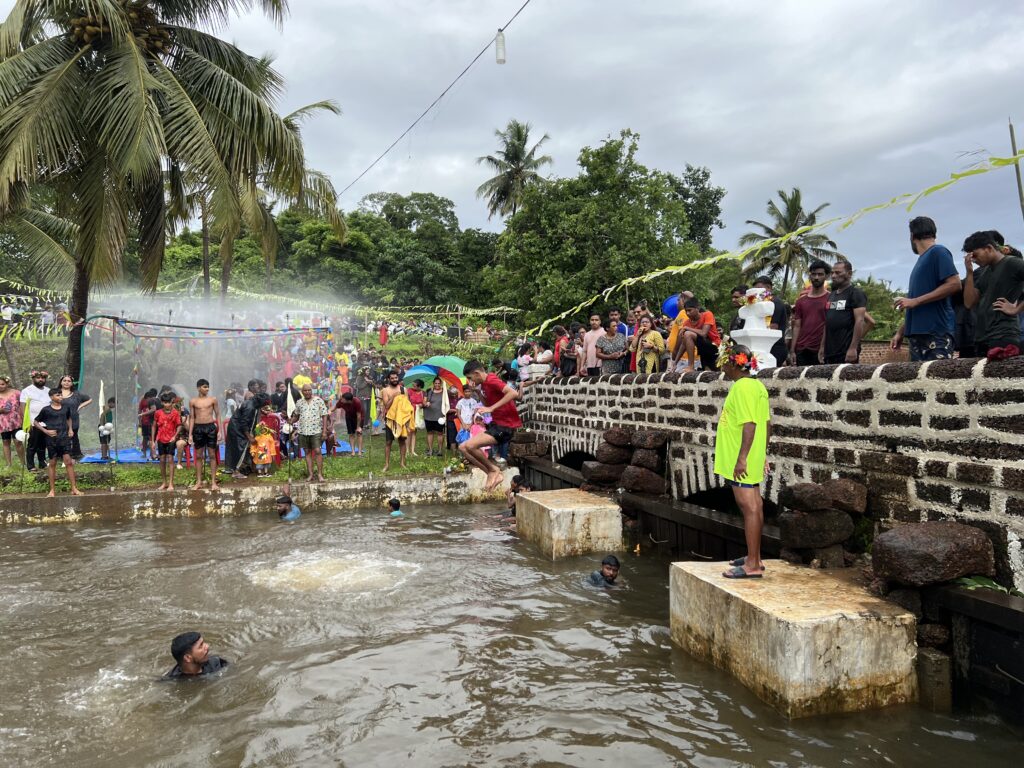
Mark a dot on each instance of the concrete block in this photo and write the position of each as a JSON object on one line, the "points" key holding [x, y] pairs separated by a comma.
{"points": [[806, 641], [935, 680], [569, 522]]}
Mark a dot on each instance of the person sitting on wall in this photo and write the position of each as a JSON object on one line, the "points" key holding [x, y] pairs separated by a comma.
{"points": [[192, 657], [608, 573], [741, 448]]}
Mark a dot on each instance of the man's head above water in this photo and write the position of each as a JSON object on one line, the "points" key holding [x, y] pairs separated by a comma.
{"points": [[610, 568], [190, 651]]}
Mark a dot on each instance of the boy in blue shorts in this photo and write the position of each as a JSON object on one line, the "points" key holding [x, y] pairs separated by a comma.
{"points": [[741, 450]]}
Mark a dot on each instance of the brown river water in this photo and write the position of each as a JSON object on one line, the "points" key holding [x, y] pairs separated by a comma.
{"points": [[439, 641]]}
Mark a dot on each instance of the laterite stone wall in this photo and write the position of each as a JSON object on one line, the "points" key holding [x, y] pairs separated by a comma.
{"points": [[940, 440]]}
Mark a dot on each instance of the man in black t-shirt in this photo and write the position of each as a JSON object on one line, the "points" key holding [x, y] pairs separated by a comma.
{"points": [[845, 315], [995, 289], [55, 422], [192, 657]]}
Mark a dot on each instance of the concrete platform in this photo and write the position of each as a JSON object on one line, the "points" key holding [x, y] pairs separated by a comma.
{"points": [[806, 641], [569, 522]]}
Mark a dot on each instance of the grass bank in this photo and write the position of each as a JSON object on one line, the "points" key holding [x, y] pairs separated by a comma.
{"points": [[14, 480]]}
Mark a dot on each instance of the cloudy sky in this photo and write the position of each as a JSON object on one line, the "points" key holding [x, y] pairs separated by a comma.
{"points": [[852, 101]]}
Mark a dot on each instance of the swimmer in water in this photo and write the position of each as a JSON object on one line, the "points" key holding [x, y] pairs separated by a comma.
{"points": [[287, 510], [608, 573], [517, 486], [192, 657], [395, 506]]}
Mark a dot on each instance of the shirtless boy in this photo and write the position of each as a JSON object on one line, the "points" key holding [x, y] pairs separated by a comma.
{"points": [[202, 433]]}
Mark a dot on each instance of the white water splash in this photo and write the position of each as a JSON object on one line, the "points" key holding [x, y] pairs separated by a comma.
{"points": [[344, 573]]}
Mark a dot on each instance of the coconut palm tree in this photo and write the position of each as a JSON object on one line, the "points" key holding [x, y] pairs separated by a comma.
{"points": [[516, 167], [793, 256], [102, 100]]}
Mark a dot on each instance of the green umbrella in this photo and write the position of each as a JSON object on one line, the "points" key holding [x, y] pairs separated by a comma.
{"points": [[450, 363]]}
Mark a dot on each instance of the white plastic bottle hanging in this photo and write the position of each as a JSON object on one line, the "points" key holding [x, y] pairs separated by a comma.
{"points": [[499, 47]]}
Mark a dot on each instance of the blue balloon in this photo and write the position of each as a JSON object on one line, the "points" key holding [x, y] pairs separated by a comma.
{"points": [[376, 423], [670, 306]]}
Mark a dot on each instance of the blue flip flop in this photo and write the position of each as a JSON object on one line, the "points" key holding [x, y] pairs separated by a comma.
{"points": [[737, 572], [739, 561]]}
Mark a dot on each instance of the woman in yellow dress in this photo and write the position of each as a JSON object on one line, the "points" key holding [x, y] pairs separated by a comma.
{"points": [[648, 345]]}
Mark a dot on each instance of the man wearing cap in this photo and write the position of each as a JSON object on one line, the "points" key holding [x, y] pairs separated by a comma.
{"points": [[287, 510], [608, 573], [35, 397], [192, 657]]}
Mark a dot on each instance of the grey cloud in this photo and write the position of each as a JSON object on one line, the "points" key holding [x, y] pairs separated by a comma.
{"points": [[855, 102]]}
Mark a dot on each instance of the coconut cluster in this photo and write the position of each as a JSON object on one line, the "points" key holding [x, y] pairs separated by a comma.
{"points": [[142, 20]]}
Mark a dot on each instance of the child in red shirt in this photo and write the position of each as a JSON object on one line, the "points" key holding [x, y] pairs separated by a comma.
{"points": [[499, 402], [164, 432]]}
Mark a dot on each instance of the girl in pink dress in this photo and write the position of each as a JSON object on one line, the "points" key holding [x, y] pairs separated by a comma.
{"points": [[10, 418]]}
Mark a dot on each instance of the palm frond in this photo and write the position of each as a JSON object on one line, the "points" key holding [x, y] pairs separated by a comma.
{"points": [[127, 121], [294, 119], [216, 13], [190, 143], [46, 240], [101, 213], [41, 127]]}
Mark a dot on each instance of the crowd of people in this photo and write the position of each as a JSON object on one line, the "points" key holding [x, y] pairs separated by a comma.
{"points": [[979, 314]]}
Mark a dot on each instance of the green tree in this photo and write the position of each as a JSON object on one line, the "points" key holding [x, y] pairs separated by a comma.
{"points": [[881, 295], [573, 238], [105, 101], [703, 202], [516, 167], [794, 256]]}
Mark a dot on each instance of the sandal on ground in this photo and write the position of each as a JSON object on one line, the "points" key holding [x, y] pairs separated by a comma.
{"points": [[740, 561], [737, 572]]}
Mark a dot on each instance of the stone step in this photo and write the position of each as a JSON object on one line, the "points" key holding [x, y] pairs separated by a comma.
{"points": [[569, 522], [806, 641]]}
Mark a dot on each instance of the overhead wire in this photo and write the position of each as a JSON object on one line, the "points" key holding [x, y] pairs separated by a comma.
{"points": [[433, 104]]}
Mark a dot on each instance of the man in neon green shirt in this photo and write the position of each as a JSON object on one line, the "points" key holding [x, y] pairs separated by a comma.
{"points": [[741, 448]]}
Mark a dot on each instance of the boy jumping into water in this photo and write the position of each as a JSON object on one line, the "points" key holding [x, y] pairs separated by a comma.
{"points": [[202, 433], [164, 432], [499, 400]]}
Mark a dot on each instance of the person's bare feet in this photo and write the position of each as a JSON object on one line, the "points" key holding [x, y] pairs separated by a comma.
{"points": [[238, 476], [494, 480], [170, 487], [403, 464], [214, 487], [320, 479], [385, 468], [50, 495], [309, 478], [197, 487], [163, 487], [77, 492]]}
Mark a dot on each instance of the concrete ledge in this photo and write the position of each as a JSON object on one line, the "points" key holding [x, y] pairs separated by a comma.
{"points": [[808, 642], [36, 509], [569, 522]]}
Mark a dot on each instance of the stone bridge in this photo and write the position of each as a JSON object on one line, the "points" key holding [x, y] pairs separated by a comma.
{"points": [[940, 440]]}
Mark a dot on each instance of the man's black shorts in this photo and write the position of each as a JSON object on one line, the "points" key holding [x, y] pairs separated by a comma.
{"points": [[500, 434], [57, 447], [352, 423], [433, 426], [389, 436], [166, 449], [204, 435], [7, 436]]}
